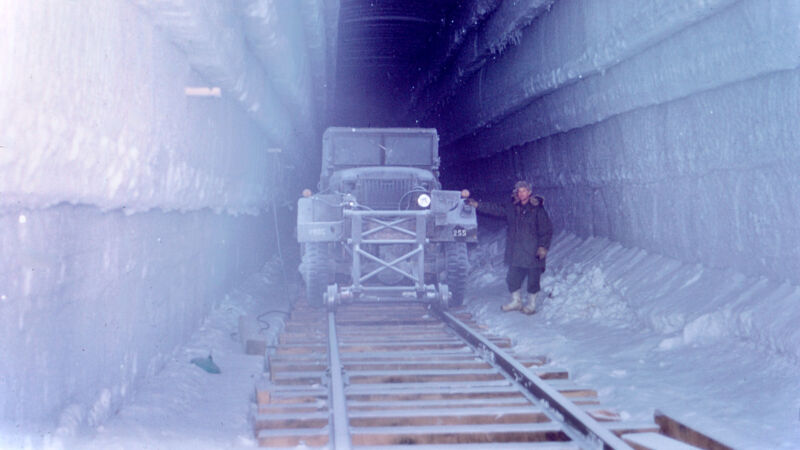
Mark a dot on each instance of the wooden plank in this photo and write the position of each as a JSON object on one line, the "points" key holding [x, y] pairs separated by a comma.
{"points": [[308, 380], [501, 342], [457, 434], [437, 356], [287, 377], [297, 338], [423, 325], [292, 408], [434, 395], [393, 332], [585, 401], [294, 399], [293, 438], [253, 341], [377, 320], [497, 402], [263, 396], [448, 386], [385, 307], [429, 355], [299, 328], [302, 349], [424, 377], [277, 364], [297, 420], [682, 432], [447, 342], [422, 346], [433, 365], [570, 389], [284, 377], [445, 416], [297, 366], [372, 338], [370, 315], [432, 327], [485, 419], [306, 358], [574, 392], [483, 446], [550, 373], [269, 394]]}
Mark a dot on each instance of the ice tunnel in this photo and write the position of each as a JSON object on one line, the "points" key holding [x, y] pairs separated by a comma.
{"points": [[151, 151]]}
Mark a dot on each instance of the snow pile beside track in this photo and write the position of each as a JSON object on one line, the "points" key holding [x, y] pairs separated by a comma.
{"points": [[576, 292], [712, 346], [596, 279]]}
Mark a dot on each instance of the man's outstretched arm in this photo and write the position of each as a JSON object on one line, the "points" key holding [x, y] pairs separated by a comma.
{"points": [[488, 208]]}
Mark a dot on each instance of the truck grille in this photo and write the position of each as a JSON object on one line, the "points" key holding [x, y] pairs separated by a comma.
{"points": [[382, 193]]}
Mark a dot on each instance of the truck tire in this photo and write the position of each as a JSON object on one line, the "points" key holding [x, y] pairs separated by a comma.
{"points": [[317, 260], [456, 266]]}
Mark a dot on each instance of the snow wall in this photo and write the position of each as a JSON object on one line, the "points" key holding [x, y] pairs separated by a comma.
{"points": [[671, 126], [127, 207]]}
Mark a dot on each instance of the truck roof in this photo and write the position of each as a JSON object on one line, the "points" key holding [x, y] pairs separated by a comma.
{"points": [[344, 147]]}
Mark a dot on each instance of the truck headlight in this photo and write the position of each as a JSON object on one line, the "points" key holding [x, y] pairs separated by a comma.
{"points": [[424, 200]]}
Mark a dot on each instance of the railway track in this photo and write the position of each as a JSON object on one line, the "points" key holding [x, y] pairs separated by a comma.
{"points": [[391, 375]]}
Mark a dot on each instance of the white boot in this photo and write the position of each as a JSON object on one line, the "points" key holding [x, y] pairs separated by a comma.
{"points": [[515, 303], [530, 308]]}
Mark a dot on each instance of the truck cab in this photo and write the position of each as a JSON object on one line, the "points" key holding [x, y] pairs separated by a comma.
{"points": [[380, 225]]}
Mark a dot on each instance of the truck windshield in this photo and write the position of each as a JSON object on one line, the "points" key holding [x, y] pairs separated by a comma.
{"points": [[377, 150]]}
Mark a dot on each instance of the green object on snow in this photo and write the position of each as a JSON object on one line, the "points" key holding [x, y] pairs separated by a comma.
{"points": [[206, 364]]}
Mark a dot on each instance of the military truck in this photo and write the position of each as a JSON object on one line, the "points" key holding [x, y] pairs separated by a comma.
{"points": [[380, 227]]}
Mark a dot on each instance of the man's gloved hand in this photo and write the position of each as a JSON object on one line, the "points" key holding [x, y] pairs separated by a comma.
{"points": [[541, 253]]}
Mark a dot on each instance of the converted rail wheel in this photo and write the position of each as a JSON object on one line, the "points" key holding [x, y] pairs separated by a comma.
{"points": [[456, 266], [318, 271]]}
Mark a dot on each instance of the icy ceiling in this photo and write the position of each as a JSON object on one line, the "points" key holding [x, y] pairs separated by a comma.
{"points": [[301, 65], [274, 57], [400, 61]]}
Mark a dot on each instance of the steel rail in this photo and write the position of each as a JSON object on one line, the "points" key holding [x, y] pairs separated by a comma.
{"points": [[341, 431], [570, 415], [411, 373]]}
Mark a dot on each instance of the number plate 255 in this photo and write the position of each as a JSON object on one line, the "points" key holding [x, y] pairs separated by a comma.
{"points": [[459, 233]]}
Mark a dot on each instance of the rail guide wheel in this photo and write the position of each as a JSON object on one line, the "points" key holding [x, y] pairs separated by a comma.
{"points": [[332, 296]]}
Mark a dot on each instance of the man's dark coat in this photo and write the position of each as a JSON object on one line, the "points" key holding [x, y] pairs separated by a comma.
{"points": [[529, 228]]}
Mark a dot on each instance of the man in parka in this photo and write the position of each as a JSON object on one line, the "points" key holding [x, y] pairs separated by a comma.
{"points": [[529, 235]]}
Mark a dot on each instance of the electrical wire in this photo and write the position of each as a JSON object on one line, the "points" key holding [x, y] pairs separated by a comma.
{"points": [[278, 240], [415, 189], [260, 318]]}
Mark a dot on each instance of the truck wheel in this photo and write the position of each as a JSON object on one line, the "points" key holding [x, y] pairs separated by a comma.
{"points": [[318, 271], [457, 266]]}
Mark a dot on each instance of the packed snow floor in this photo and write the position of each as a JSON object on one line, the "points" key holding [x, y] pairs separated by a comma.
{"points": [[650, 333], [637, 327]]}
